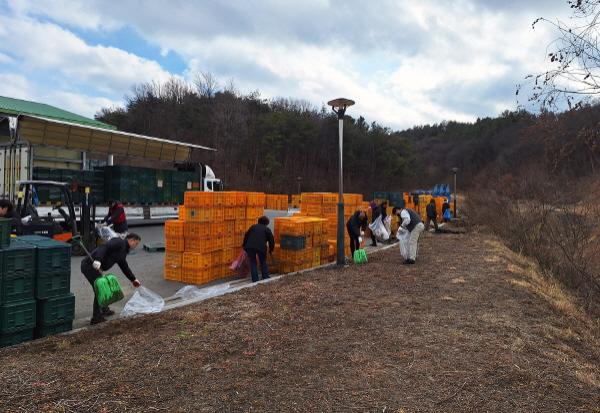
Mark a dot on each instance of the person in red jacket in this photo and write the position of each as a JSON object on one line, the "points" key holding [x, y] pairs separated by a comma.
{"points": [[116, 216]]}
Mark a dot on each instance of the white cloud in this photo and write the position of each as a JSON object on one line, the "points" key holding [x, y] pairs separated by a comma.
{"points": [[46, 46], [404, 62], [13, 85]]}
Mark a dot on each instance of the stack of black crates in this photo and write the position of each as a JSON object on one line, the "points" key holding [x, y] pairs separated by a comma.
{"points": [[35, 280]]}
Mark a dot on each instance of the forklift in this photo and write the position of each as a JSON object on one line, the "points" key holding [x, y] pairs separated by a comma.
{"points": [[73, 229]]}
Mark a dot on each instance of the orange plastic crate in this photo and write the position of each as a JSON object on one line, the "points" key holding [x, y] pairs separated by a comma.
{"points": [[229, 198], [239, 239], [240, 213], [229, 213], [193, 276], [196, 260], [175, 244], [217, 229], [173, 259], [330, 198], [196, 230], [240, 226], [216, 258], [314, 210], [229, 227], [203, 214], [241, 199], [172, 274], [197, 244], [174, 229], [198, 199], [218, 214], [229, 241], [181, 212], [218, 198], [215, 243]]}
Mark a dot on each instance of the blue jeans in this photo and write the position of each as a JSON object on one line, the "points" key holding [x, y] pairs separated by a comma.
{"points": [[262, 257]]}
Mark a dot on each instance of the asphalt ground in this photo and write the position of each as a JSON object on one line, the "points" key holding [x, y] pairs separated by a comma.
{"points": [[147, 266]]}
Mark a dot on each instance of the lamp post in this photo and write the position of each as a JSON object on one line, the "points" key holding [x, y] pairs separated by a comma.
{"points": [[454, 171], [299, 184], [339, 107]]}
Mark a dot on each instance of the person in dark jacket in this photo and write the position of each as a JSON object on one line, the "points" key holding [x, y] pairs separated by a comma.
{"points": [[104, 257], [116, 216], [431, 215], [379, 211], [7, 210], [445, 206], [255, 244], [356, 226]]}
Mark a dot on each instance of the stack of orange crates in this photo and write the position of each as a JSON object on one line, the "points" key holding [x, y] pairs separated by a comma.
{"points": [[315, 251], [276, 202], [295, 201], [207, 238], [324, 205]]}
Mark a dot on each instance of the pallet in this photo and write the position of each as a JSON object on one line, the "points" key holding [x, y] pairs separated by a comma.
{"points": [[154, 247]]}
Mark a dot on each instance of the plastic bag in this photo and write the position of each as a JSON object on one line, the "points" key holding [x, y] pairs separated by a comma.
{"points": [[143, 301], [448, 215], [241, 265], [360, 256], [403, 236], [378, 229], [387, 223], [107, 290], [107, 233], [190, 292]]}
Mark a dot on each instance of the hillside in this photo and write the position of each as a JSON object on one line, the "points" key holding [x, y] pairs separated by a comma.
{"points": [[471, 327]]}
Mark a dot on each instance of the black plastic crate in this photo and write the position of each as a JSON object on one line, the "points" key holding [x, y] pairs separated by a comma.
{"points": [[53, 285], [17, 288], [44, 331], [16, 338], [17, 316], [18, 260], [56, 310], [5, 229], [293, 243]]}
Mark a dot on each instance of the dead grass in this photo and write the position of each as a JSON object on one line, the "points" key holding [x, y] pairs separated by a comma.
{"points": [[471, 327]]}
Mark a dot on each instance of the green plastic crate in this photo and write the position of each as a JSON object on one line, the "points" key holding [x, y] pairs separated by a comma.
{"points": [[5, 229], [18, 260], [53, 285], [17, 316], [17, 288], [31, 238], [44, 331], [56, 310], [53, 257], [13, 339]]}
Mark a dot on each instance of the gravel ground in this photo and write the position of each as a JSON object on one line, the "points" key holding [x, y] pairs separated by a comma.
{"points": [[470, 327]]}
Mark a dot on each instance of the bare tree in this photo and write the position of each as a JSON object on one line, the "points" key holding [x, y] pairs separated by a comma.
{"points": [[206, 84], [574, 57]]}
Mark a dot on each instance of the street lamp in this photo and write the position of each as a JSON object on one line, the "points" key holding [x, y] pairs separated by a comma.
{"points": [[339, 107], [454, 171], [299, 184]]}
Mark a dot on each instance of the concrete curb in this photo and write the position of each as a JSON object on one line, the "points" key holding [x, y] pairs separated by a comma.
{"points": [[243, 284]]}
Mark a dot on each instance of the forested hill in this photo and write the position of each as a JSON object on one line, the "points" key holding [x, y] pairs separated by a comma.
{"points": [[267, 145]]}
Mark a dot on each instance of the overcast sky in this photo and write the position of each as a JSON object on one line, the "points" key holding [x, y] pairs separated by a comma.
{"points": [[404, 62]]}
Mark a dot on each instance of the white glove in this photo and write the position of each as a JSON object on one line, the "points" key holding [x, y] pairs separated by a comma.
{"points": [[97, 265], [360, 240]]}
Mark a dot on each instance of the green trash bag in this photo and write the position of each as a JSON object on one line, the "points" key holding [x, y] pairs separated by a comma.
{"points": [[360, 256], [108, 290]]}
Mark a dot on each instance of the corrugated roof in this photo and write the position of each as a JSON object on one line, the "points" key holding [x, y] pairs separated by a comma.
{"points": [[12, 106]]}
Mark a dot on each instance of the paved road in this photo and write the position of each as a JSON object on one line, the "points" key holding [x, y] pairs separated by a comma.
{"points": [[147, 266]]}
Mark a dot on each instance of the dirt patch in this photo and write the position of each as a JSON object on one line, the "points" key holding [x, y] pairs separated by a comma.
{"points": [[466, 329]]}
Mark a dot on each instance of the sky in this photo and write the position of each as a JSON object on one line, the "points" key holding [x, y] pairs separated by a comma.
{"points": [[404, 62]]}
